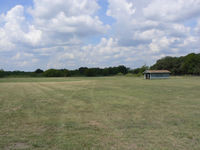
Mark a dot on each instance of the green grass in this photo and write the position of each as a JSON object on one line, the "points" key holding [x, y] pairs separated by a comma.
{"points": [[111, 113]]}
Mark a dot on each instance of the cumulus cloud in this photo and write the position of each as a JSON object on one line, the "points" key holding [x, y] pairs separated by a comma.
{"points": [[172, 10], [53, 23], [58, 34], [16, 30], [47, 9], [120, 9], [63, 20], [155, 24]]}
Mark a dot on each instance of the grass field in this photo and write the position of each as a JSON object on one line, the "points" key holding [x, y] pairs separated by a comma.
{"points": [[111, 113]]}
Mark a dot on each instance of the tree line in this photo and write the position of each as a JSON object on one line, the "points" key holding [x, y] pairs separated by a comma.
{"points": [[184, 65], [83, 71]]}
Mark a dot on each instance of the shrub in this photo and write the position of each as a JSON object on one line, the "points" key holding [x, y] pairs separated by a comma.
{"points": [[2, 73], [53, 73], [120, 74], [129, 75], [138, 75], [39, 71]]}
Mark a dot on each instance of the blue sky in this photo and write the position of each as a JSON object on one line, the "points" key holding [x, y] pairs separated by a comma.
{"points": [[95, 33], [6, 5]]}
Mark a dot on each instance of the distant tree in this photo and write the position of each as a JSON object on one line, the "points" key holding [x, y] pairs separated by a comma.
{"points": [[165, 63], [2, 73], [65, 72], [105, 72], [140, 70], [82, 70], [91, 72], [189, 64], [52, 73], [196, 71], [39, 71], [122, 69]]}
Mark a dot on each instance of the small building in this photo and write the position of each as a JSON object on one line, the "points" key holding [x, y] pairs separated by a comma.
{"points": [[156, 74]]}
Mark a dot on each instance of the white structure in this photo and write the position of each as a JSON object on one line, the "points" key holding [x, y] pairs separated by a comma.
{"points": [[156, 74]]}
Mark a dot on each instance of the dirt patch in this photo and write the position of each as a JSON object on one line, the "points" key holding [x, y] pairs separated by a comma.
{"points": [[96, 124], [17, 146], [13, 109]]}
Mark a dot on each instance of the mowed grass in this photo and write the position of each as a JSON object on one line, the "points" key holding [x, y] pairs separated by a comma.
{"points": [[111, 113]]}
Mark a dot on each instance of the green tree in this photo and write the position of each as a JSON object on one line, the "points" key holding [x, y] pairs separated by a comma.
{"points": [[189, 64], [2, 73], [53, 73], [39, 71]]}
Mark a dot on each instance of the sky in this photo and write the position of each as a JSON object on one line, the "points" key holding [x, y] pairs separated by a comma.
{"points": [[95, 33]]}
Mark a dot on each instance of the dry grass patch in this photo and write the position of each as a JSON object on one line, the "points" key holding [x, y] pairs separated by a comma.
{"points": [[100, 113]]}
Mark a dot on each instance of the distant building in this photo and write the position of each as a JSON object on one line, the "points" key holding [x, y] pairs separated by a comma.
{"points": [[156, 74]]}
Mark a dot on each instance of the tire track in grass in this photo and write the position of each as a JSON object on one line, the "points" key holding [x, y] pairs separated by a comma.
{"points": [[63, 121], [31, 106], [48, 93], [60, 95], [22, 116]]}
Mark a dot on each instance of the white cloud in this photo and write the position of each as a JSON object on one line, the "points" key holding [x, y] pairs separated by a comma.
{"points": [[120, 9], [54, 23], [63, 20], [22, 55], [149, 25], [161, 44], [172, 10], [16, 30], [197, 28], [58, 34], [47, 9], [5, 44], [23, 59]]}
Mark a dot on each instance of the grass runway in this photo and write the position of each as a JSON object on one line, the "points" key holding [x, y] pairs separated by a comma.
{"points": [[100, 113]]}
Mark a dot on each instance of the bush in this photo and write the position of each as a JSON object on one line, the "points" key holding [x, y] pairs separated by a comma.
{"points": [[120, 74], [188, 64], [2, 73], [138, 75], [52, 73], [91, 72], [39, 71], [129, 75], [140, 70]]}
